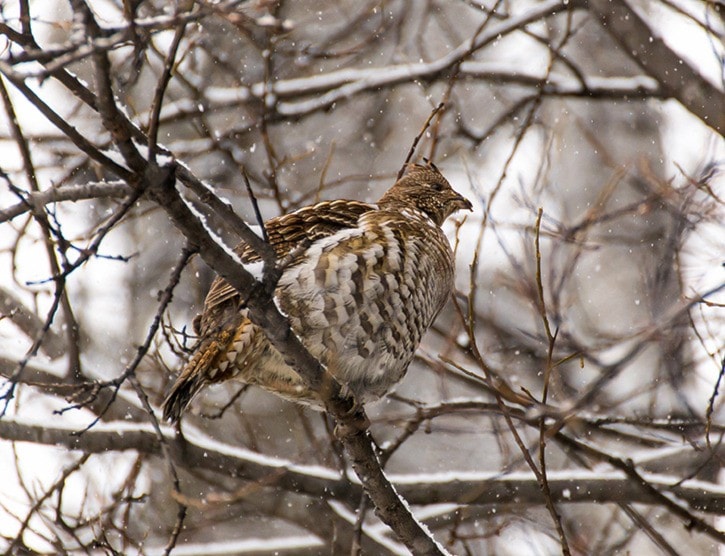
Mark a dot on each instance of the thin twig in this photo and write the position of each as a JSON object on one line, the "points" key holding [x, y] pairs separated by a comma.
{"points": [[161, 85], [417, 139], [711, 404], [547, 375], [255, 205]]}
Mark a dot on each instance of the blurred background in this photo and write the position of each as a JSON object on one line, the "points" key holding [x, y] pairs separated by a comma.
{"points": [[584, 337]]}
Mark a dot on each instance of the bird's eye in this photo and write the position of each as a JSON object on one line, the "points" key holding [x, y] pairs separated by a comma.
{"points": [[437, 186]]}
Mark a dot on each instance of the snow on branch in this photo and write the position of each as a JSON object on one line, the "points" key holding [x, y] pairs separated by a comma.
{"points": [[90, 190], [676, 76], [198, 451]]}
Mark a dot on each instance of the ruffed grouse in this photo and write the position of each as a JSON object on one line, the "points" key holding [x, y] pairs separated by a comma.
{"points": [[364, 283]]}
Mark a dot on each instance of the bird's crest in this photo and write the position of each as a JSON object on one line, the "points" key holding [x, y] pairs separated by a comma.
{"points": [[427, 165]]}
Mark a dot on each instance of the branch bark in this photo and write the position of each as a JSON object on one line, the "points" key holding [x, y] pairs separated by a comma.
{"points": [[91, 190], [676, 77], [199, 452]]}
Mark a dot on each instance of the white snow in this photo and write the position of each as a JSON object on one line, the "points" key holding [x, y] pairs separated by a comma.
{"points": [[251, 545], [378, 531], [212, 233], [227, 95], [200, 439]]}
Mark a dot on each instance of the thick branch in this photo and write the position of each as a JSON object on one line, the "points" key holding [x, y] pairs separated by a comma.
{"points": [[198, 452], [225, 211], [160, 183], [676, 77]]}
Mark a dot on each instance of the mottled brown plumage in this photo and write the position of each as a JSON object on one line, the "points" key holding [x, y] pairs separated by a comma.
{"points": [[364, 283]]}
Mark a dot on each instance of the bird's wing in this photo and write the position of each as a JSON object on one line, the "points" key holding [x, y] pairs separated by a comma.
{"points": [[289, 232]]}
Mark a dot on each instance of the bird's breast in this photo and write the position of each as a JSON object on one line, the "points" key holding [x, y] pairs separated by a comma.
{"points": [[361, 300]]}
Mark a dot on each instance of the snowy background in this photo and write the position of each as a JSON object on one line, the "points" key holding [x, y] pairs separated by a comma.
{"points": [[320, 100]]}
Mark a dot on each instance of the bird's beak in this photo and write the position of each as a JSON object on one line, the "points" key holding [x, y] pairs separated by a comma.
{"points": [[460, 202]]}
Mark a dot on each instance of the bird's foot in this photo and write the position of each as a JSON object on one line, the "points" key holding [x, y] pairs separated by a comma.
{"points": [[351, 418]]}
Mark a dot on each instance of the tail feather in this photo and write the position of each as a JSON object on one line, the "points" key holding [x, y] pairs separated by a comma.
{"points": [[181, 394], [199, 371]]}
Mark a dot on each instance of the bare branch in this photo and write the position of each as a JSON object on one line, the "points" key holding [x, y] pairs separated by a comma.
{"points": [[675, 75], [90, 190], [13, 308], [585, 368], [198, 451]]}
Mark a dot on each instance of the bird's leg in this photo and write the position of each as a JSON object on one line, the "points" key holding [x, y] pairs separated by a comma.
{"points": [[350, 416]]}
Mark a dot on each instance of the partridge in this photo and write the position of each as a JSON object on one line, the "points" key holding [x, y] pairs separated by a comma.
{"points": [[361, 285]]}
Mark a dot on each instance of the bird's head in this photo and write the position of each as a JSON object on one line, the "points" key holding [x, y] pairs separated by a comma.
{"points": [[425, 188]]}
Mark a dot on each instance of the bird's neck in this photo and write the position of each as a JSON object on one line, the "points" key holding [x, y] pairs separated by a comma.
{"points": [[409, 210]]}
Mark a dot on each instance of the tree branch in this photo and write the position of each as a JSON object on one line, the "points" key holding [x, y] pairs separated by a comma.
{"points": [[676, 76], [30, 323], [197, 451], [90, 190]]}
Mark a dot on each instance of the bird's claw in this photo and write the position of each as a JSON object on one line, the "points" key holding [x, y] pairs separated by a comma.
{"points": [[353, 420]]}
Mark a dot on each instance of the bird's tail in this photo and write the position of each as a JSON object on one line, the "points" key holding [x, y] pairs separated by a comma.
{"points": [[199, 371], [181, 394]]}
